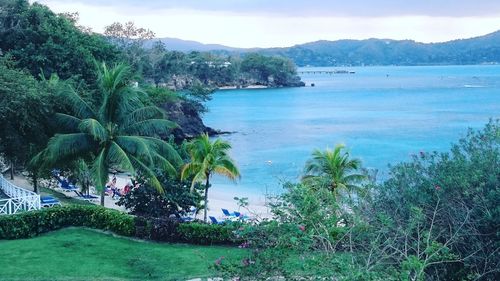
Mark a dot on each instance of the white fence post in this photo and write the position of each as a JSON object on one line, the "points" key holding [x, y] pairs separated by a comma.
{"points": [[20, 198]]}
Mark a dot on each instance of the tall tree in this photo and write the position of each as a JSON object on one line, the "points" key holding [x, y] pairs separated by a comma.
{"points": [[208, 158], [25, 109], [333, 169], [41, 41], [130, 39], [117, 130]]}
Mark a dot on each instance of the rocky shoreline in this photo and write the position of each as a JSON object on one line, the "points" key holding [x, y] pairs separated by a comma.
{"points": [[188, 119]]}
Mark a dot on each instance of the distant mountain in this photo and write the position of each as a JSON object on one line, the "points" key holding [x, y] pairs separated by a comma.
{"points": [[478, 50], [175, 44]]}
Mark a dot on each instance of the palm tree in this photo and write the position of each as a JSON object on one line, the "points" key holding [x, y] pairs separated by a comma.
{"points": [[116, 131], [208, 158], [333, 169]]}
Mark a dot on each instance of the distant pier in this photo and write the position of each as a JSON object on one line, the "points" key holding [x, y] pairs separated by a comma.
{"points": [[331, 72]]}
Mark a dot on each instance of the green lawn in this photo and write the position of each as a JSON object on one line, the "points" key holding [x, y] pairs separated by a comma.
{"points": [[83, 254]]}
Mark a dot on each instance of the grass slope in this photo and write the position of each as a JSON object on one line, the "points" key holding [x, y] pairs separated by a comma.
{"points": [[65, 200], [83, 254]]}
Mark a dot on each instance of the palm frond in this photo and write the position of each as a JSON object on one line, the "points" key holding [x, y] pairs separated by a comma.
{"points": [[161, 162], [209, 157], [150, 127], [166, 150], [100, 170], [137, 147], [224, 171], [67, 122], [78, 106], [333, 169], [148, 173], [119, 158], [193, 170], [142, 114], [226, 167], [93, 128], [64, 146]]}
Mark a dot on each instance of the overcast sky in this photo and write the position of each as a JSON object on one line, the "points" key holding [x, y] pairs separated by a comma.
{"points": [[268, 23]]}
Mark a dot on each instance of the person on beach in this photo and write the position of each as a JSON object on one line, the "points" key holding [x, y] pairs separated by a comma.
{"points": [[111, 187]]}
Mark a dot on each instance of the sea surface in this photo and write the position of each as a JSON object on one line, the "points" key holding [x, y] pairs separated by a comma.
{"points": [[382, 114]]}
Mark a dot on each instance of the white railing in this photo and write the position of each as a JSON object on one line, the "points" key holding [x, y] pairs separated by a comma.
{"points": [[21, 200]]}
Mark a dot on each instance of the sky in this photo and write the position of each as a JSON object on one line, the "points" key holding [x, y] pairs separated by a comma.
{"points": [[278, 23]]}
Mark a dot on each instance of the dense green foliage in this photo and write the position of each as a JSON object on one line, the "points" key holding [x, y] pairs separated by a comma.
{"points": [[146, 201], [183, 71], [208, 234], [45, 43], [446, 210], [434, 218], [34, 223], [266, 70], [81, 254], [25, 111]]}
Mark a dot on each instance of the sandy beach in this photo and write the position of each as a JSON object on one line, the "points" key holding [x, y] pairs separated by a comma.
{"points": [[219, 197], [247, 87]]}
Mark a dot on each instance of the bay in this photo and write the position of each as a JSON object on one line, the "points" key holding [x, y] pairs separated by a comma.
{"points": [[382, 114]]}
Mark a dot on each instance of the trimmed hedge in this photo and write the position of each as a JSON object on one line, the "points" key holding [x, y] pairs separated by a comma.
{"points": [[208, 234], [34, 223]]}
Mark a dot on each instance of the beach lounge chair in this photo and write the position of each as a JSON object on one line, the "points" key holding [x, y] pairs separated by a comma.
{"points": [[189, 216], [116, 193], [227, 213], [241, 216], [186, 219], [215, 221], [66, 186], [48, 201], [87, 197]]}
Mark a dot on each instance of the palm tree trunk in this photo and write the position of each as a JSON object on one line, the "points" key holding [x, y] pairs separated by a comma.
{"points": [[206, 199], [34, 178], [102, 196], [12, 169]]}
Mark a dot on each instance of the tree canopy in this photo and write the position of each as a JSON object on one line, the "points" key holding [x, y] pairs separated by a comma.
{"points": [[45, 43], [25, 111]]}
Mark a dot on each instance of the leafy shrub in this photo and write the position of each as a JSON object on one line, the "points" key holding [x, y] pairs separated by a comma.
{"points": [[146, 201], [435, 218], [208, 234], [31, 224], [163, 229], [441, 210], [34, 223]]}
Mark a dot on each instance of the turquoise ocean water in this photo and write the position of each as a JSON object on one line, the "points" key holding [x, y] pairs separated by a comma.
{"points": [[383, 115]]}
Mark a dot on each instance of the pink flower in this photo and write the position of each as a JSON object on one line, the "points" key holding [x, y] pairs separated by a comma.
{"points": [[245, 262], [219, 260], [302, 228], [244, 245], [437, 187]]}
